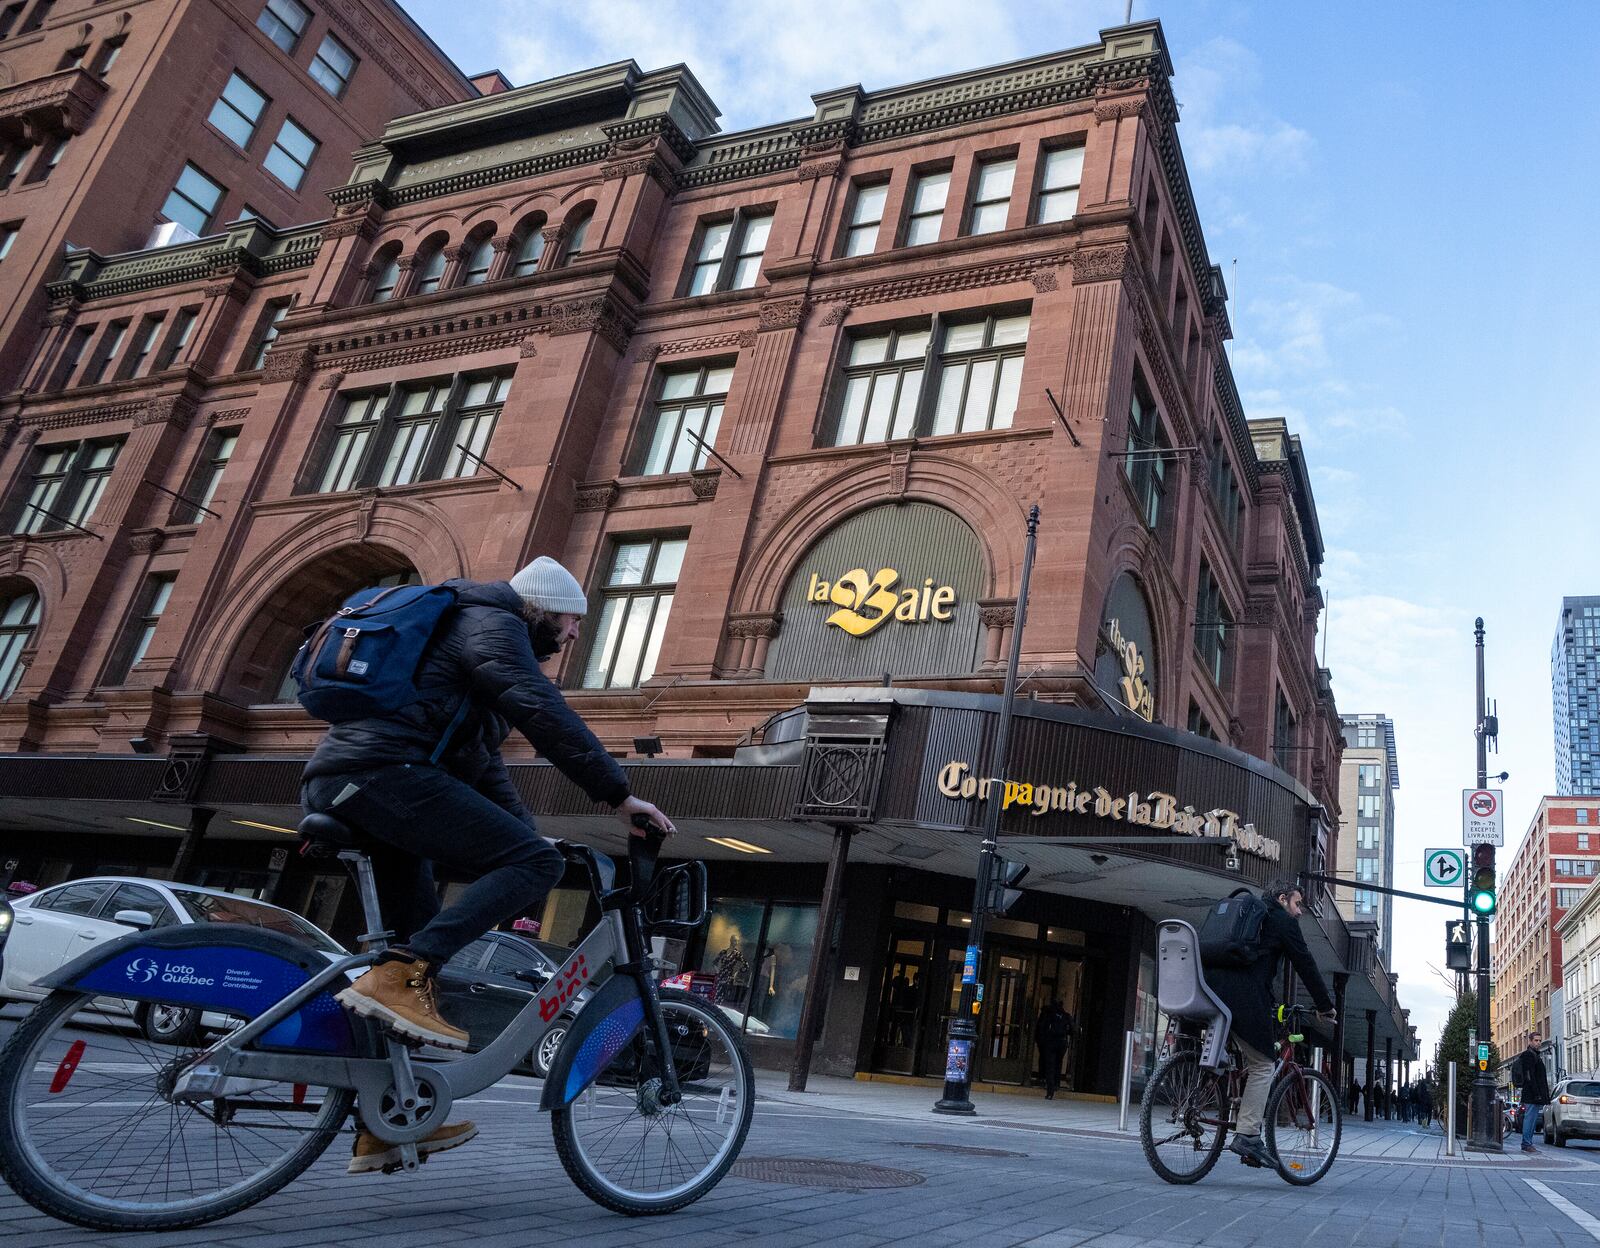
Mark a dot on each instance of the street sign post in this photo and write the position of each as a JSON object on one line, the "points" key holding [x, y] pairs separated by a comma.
{"points": [[1483, 817], [1444, 868]]}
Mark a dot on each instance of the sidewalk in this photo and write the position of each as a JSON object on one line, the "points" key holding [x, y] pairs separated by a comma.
{"points": [[1397, 1142]]}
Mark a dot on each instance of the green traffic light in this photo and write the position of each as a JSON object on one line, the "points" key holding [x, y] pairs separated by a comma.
{"points": [[1483, 902]]}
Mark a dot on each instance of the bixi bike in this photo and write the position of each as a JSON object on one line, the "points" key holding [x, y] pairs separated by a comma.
{"points": [[650, 1093]]}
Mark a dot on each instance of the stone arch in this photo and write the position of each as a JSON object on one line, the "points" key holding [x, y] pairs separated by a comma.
{"points": [[998, 520], [410, 532], [448, 223], [260, 656], [1132, 552], [540, 201]]}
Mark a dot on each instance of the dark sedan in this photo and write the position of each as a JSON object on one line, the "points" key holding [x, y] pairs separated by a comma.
{"points": [[487, 984]]}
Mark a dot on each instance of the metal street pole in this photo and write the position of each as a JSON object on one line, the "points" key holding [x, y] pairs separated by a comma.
{"points": [[957, 1098], [1483, 1133]]}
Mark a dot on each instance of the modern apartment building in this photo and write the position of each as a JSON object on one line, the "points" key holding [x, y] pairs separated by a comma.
{"points": [[1368, 776], [1558, 858], [1575, 695]]}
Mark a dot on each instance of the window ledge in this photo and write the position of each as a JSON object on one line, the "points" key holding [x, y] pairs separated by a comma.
{"points": [[931, 442], [482, 483]]}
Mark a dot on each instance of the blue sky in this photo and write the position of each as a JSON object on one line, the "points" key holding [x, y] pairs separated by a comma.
{"points": [[1407, 192]]}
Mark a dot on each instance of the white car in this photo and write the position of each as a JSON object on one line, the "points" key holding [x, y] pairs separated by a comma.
{"points": [[50, 928]]}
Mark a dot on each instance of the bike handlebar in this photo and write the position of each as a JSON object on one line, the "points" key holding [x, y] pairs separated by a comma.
{"points": [[643, 852]]}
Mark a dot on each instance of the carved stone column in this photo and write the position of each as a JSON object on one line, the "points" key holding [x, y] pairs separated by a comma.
{"points": [[504, 246], [998, 616], [402, 286], [454, 258], [749, 638]]}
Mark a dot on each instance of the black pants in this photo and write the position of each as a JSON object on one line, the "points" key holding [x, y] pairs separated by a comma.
{"points": [[418, 815], [1050, 1067]]}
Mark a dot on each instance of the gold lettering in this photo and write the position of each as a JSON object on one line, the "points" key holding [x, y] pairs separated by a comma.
{"points": [[950, 777], [1102, 803], [943, 600], [906, 612], [853, 593], [817, 591]]}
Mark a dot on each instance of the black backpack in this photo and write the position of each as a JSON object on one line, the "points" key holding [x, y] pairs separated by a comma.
{"points": [[1231, 933]]}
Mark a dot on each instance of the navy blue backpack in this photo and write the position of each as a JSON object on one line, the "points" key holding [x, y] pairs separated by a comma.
{"points": [[363, 660]]}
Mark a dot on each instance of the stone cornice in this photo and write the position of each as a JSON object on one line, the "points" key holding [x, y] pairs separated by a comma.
{"points": [[247, 246]]}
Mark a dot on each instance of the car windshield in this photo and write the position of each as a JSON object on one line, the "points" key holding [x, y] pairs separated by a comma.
{"points": [[214, 908], [1585, 1087]]}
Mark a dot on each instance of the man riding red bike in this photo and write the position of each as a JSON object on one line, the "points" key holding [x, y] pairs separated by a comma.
{"points": [[426, 783]]}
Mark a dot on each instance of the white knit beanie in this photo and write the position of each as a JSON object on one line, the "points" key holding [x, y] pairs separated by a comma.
{"points": [[545, 584]]}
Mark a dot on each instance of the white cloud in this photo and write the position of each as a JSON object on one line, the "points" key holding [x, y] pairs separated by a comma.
{"points": [[761, 61], [1225, 129]]}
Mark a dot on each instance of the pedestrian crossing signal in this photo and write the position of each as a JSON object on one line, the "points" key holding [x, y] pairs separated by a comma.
{"points": [[1481, 895]]}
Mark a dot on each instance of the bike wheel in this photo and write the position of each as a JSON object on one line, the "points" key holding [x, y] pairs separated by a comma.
{"points": [[627, 1151], [1303, 1125], [88, 1133], [1182, 1122]]}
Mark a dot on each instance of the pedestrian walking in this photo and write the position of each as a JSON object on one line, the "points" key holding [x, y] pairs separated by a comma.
{"points": [[1528, 1073], [1051, 1035], [1355, 1096]]}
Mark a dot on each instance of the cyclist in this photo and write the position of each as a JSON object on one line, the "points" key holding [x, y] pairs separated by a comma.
{"points": [[375, 775], [1249, 992]]}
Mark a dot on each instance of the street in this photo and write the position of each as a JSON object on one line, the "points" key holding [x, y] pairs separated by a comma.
{"points": [[866, 1164]]}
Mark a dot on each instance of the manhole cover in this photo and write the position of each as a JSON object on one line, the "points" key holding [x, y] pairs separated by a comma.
{"points": [[964, 1150], [821, 1172]]}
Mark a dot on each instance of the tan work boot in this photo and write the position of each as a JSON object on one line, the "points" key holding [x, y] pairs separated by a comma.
{"points": [[371, 1153], [399, 994]]}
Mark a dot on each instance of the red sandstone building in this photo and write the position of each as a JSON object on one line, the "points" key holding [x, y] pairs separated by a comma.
{"points": [[781, 399], [1558, 858]]}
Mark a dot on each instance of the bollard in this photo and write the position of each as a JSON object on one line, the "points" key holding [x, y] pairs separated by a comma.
{"points": [[1450, 1110], [1316, 1096], [1127, 1082]]}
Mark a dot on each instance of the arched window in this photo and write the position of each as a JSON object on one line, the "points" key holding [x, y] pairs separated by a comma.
{"points": [[577, 235], [530, 246], [429, 266], [480, 255], [385, 274], [19, 616]]}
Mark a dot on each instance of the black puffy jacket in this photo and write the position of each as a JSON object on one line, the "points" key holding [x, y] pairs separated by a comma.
{"points": [[484, 652], [1251, 992]]}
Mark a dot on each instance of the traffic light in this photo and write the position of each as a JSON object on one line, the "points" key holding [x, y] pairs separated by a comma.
{"points": [[1481, 896], [1007, 876]]}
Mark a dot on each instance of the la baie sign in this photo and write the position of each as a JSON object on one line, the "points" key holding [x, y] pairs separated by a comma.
{"points": [[1158, 811], [867, 602]]}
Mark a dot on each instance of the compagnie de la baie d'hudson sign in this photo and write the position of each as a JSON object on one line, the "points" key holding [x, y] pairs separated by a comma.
{"points": [[1156, 810]]}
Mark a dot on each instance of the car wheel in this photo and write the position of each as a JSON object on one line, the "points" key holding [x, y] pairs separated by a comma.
{"points": [[544, 1053], [168, 1024], [1556, 1138]]}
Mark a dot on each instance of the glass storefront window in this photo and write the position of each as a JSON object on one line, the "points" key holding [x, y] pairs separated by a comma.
{"points": [[916, 912], [760, 953]]}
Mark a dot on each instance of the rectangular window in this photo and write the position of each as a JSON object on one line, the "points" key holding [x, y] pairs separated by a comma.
{"points": [[1368, 836], [1283, 728], [144, 345], [238, 109], [11, 164], [1225, 491], [980, 374], [8, 237], [1369, 777], [266, 334], [991, 195], [36, 17], [1145, 462], [359, 418], [688, 412], [207, 476], [926, 218], [882, 385], [104, 353], [291, 155], [1213, 626], [141, 628], [107, 56], [1568, 897], [1583, 815], [1583, 840], [63, 486], [177, 338], [332, 66], [414, 431], [9, 16], [1367, 737], [481, 403], [636, 600], [866, 216], [1198, 723], [729, 254], [283, 22], [415, 424], [1058, 184], [1366, 903], [1369, 805], [193, 201], [49, 157], [73, 57], [71, 353], [1367, 870]]}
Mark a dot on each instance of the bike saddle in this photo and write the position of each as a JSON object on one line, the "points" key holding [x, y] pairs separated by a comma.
{"points": [[323, 836]]}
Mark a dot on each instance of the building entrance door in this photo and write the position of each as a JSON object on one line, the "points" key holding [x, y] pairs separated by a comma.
{"points": [[1005, 1020], [900, 1000]]}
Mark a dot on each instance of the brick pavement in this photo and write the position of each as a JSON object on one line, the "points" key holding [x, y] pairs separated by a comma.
{"points": [[1075, 1183]]}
